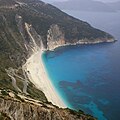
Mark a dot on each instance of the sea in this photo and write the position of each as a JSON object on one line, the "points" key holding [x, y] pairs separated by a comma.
{"points": [[87, 77]]}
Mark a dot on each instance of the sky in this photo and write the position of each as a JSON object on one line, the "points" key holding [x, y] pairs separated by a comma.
{"points": [[50, 1]]}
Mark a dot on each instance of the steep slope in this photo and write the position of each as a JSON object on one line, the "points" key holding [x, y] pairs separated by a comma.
{"points": [[24, 25], [41, 16], [28, 109]]}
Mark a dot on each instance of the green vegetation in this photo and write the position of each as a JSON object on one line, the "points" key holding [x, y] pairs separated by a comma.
{"points": [[35, 93], [4, 92], [79, 113], [4, 116], [74, 112], [47, 15]]}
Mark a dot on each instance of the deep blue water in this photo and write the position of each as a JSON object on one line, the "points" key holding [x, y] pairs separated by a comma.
{"points": [[88, 76]]}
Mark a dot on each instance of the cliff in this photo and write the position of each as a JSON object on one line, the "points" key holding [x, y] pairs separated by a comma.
{"points": [[44, 17], [18, 107], [56, 38], [25, 27]]}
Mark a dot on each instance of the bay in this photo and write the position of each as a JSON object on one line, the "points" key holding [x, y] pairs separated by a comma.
{"points": [[87, 77]]}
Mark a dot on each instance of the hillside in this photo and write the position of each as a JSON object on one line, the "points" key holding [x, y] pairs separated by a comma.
{"points": [[25, 24]]}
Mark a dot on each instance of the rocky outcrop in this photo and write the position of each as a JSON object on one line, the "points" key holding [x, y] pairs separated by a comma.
{"points": [[55, 37], [15, 109]]}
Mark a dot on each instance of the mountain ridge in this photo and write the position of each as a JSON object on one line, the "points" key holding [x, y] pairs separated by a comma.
{"points": [[84, 5]]}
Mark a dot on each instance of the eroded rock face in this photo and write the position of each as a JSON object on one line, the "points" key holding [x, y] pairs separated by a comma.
{"points": [[55, 37], [17, 110]]}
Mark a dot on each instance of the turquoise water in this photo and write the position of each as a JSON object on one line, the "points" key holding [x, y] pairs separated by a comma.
{"points": [[87, 77]]}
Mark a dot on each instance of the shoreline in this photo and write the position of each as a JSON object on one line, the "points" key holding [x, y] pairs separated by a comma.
{"points": [[82, 43], [37, 74]]}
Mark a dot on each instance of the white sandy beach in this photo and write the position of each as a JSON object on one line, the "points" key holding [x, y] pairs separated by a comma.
{"points": [[37, 74]]}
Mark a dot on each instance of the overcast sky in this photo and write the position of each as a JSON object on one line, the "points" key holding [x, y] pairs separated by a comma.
{"points": [[50, 1]]}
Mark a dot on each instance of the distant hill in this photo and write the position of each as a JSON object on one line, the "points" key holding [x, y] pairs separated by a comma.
{"points": [[84, 5], [115, 5]]}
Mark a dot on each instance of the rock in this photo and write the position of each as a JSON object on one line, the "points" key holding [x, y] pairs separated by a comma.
{"points": [[17, 110], [55, 37], [11, 94]]}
